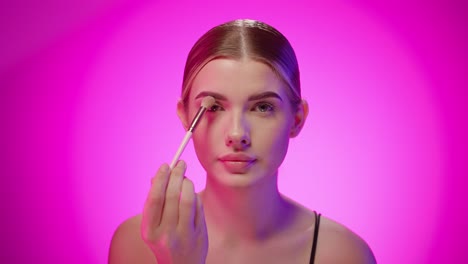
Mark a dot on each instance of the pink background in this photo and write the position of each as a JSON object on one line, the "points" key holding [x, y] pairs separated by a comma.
{"points": [[88, 94]]}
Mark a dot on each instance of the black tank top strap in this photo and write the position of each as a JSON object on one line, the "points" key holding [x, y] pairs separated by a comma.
{"points": [[314, 243]]}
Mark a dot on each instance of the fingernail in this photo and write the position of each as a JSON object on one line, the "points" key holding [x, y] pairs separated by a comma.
{"points": [[164, 168], [182, 164]]}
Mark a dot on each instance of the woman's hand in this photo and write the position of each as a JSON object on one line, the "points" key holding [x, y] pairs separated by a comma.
{"points": [[173, 223]]}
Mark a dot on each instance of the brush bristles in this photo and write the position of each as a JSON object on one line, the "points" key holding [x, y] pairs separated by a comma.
{"points": [[208, 102]]}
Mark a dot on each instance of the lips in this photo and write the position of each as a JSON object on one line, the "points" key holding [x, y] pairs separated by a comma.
{"points": [[237, 163], [239, 157]]}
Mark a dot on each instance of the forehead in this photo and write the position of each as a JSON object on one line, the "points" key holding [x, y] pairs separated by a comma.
{"points": [[237, 79]]}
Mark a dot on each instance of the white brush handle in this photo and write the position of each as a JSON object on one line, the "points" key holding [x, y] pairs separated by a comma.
{"points": [[186, 139]]}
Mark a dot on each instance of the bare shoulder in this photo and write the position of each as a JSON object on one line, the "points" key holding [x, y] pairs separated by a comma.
{"points": [[127, 246], [338, 244]]}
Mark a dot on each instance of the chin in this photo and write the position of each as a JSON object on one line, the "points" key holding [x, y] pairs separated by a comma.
{"points": [[236, 180]]}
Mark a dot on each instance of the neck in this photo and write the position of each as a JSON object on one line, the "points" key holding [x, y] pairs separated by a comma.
{"points": [[250, 213]]}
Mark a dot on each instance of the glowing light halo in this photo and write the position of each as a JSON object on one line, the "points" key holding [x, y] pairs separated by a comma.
{"points": [[125, 132]]}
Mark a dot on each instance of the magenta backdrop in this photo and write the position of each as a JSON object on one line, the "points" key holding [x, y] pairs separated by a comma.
{"points": [[88, 107]]}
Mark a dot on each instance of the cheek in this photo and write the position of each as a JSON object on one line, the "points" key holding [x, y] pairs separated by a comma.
{"points": [[202, 148], [274, 139], [201, 139], [205, 140], [280, 145]]}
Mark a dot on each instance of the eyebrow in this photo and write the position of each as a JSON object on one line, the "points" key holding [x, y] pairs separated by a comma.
{"points": [[254, 97]]}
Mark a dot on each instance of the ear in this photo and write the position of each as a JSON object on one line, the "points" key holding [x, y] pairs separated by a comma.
{"points": [[299, 118], [182, 114]]}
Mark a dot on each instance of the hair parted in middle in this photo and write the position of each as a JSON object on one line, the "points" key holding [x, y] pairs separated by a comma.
{"points": [[245, 39]]}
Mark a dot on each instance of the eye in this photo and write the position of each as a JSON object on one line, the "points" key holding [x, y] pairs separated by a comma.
{"points": [[215, 108], [264, 107]]}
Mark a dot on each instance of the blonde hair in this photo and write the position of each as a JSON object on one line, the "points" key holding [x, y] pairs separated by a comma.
{"points": [[245, 38]]}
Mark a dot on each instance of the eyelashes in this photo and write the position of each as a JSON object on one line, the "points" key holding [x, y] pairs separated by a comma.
{"points": [[262, 107], [215, 108]]}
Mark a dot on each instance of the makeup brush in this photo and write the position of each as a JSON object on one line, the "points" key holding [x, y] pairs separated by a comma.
{"points": [[206, 103]]}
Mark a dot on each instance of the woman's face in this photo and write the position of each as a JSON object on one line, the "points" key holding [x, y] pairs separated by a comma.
{"points": [[244, 137]]}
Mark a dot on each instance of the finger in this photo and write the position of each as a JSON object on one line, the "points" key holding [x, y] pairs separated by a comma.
{"points": [[187, 206], [199, 214], [170, 213], [155, 201]]}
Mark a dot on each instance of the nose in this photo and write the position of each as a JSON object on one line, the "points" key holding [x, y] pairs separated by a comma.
{"points": [[237, 135]]}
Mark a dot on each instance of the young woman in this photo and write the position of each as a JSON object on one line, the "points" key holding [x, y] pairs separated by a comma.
{"points": [[240, 217]]}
